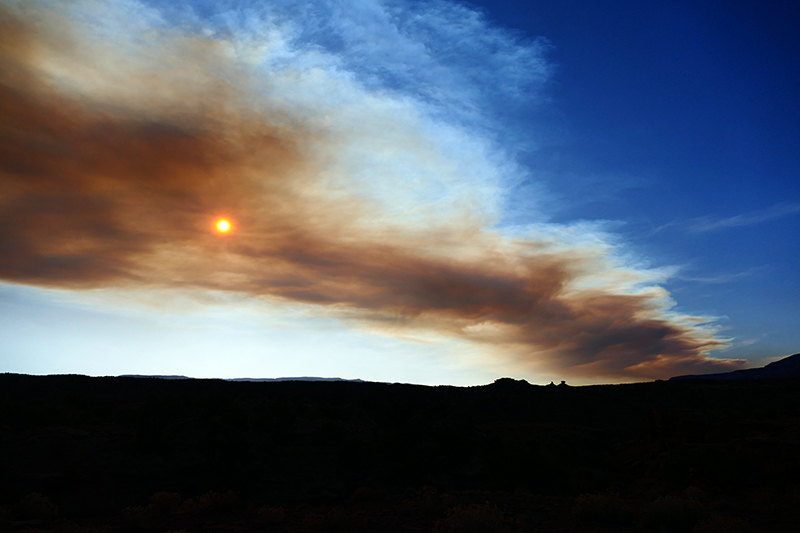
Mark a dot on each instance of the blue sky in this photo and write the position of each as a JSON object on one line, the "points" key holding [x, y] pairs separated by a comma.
{"points": [[681, 120], [428, 192]]}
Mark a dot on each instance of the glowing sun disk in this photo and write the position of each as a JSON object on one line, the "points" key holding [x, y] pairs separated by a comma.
{"points": [[223, 226]]}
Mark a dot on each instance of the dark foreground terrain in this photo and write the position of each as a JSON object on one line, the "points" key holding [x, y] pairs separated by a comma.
{"points": [[80, 454]]}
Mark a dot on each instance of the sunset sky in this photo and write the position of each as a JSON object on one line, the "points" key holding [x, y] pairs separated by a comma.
{"points": [[425, 192]]}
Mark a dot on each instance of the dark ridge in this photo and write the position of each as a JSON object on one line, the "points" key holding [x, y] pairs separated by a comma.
{"points": [[303, 378], [128, 455], [154, 377], [786, 368]]}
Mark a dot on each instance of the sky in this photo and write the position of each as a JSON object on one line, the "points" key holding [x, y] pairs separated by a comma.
{"points": [[421, 192]]}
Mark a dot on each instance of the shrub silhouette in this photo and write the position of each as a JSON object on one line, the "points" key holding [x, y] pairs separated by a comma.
{"points": [[484, 518], [137, 517], [213, 502], [693, 493], [66, 526], [675, 514], [36, 506], [336, 518], [606, 508], [5, 520], [721, 524], [428, 500], [367, 494], [164, 504], [313, 522], [209, 503], [271, 515], [333, 519], [188, 507]]}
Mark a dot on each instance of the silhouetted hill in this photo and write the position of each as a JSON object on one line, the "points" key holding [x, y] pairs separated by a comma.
{"points": [[127, 455], [153, 377], [786, 368], [303, 378]]}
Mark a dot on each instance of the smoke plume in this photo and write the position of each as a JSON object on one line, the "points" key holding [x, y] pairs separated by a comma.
{"points": [[124, 135]]}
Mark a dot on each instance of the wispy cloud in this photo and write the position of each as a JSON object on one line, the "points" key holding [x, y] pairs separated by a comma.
{"points": [[125, 135], [705, 224], [724, 278]]}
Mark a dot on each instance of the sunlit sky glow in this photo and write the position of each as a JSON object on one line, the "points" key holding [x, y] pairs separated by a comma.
{"points": [[427, 192]]}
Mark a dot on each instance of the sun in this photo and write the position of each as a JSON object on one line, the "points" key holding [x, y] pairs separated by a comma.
{"points": [[223, 226]]}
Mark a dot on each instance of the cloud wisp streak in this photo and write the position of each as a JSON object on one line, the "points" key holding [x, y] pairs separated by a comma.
{"points": [[123, 139], [726, 278], [706, 224]]}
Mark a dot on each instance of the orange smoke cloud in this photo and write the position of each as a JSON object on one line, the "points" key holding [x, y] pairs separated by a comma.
{"points": [[116, 176]]}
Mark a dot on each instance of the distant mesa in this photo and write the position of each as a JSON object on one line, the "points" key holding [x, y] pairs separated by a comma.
{"points": [[788, 367], [510, 383]]}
